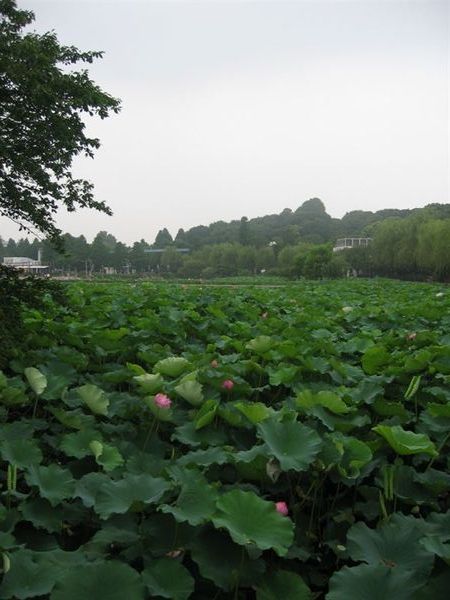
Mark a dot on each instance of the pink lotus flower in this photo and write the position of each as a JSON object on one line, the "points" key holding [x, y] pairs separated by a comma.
{"points": [[228, 384], [282, 508], [214, 364], [411, 336], [264, 315], [162, 401]]}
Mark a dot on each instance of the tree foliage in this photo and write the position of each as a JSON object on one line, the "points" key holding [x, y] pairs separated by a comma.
{"points": [[414, 247], [309, 223], [15, 295], [163, 238], [43, 100]]}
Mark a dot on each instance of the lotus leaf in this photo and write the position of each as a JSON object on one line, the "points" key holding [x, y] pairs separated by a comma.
{"points": [[21, 452], [196, 502], [395, 544], [116, 497], [94, 398], [371, 582], [256, 412], [406, 442], [54, 483], [282, 584], [224, 562], [37, 381], [168, 578], [293, 444], [111, 580], [374, 359], [172, 366], [28, 576], [150, 383], [242, 513], [206, 414], [77, 444], [106, 455], [260, 344], [191, 391]]}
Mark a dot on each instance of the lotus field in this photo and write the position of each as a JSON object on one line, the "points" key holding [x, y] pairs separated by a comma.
{"points": [[170, 441]]}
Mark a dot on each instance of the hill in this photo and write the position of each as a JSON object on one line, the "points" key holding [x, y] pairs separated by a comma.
{"points": [[309, 223]]}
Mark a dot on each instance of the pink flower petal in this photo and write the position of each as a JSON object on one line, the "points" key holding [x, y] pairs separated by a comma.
{"points": [[282, 508], [162, 401], [228, 384]]}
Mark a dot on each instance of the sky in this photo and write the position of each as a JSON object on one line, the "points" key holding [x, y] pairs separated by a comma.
{"points": [[234, 109]]}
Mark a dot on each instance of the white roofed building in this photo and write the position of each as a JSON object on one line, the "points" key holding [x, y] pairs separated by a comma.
{"points": [[351, 242], [24, 263]]}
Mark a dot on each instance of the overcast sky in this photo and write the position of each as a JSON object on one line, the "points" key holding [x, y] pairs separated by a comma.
{"points": [[245, 108]]}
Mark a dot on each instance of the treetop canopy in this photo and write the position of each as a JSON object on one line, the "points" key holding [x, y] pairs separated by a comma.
{"points": [[42, 102]]}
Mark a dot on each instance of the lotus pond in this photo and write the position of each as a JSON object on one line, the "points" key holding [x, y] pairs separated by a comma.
{"points": [[169, 441]]}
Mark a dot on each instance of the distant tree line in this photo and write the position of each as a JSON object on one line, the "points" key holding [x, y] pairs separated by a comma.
{"points": [[310, 223], [413, 244]]}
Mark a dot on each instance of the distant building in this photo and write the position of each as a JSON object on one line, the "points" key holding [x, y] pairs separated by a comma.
{"points": [[351, 242], [24, 263], [161, 250]]}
